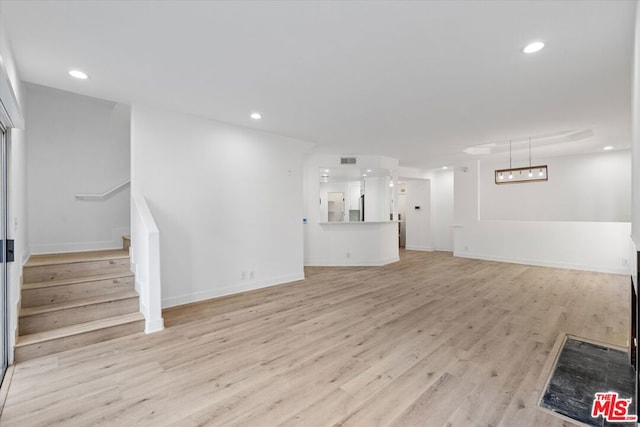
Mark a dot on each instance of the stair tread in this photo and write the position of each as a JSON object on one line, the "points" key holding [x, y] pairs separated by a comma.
{"points": [[74, 257], [62, 282], [30, 311], [76, 329]]}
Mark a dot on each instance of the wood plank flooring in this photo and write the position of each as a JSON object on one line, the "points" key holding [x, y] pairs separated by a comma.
{"points": [[432, 340]]}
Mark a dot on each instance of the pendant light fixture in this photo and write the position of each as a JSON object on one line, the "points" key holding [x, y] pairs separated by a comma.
{"points": [[523, 174]]}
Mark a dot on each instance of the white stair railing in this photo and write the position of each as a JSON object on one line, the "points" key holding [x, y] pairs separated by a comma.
{"points": [[110, 192], [145, 260]]}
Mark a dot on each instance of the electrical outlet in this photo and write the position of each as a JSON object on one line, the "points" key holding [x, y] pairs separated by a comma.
{"points": [[466, 248], [243, 275], [625, 261], [348, 254], [251, 275]]}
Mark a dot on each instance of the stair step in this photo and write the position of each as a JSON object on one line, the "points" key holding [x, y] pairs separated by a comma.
{"points": [[66, 338], [62, 314], [58, 291], [77, 280], [74, 299], [55, 267], [70, 257]]}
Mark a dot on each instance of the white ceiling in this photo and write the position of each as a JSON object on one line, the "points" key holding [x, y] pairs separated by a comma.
{"points": [[417, 81]]}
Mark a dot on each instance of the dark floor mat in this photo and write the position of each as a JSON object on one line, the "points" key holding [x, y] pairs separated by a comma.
{"points": [[582, 370]]}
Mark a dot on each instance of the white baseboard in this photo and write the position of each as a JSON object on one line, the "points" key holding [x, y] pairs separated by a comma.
{"points": [[419, 248], [155, 325], [25, 256], [350, 263], [547, 263], [229, 290], [72, 247], [53, 248], [14, 308], [134, 269], [150, 325]]}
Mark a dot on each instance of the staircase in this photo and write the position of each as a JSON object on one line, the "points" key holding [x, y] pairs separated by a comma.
{"points": [[74, 299]]}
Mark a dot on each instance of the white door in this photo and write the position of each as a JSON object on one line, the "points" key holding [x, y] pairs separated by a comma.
{"points": [[336, 207]]}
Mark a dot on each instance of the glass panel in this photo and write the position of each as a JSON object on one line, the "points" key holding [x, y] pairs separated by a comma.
{"points": [[3, 266]]}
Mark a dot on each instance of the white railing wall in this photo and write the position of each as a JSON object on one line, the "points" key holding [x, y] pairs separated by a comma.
{"points": [[145, 260]]}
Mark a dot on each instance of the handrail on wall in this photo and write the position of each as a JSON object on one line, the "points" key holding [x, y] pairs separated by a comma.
{"points": [[104, 195]]}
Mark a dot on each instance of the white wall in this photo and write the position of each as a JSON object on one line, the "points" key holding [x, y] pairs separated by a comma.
{"points": [[8, 65], [227, 201], [592, 187], [350, 244], [585, 245], [76, 144], [402, 200], [377, 198], [17, 219], [418, 221], [442, 210], [146, 263]]}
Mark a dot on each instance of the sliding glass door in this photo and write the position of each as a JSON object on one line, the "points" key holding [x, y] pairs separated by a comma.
{"points": [[4, 338]]}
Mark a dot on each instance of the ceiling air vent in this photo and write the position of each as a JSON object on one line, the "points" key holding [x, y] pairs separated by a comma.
{"points": [[347, 160]]}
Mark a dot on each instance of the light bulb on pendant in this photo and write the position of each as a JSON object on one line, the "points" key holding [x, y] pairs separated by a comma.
{"points": [[540, 173], [510, 175], [530, 173]]}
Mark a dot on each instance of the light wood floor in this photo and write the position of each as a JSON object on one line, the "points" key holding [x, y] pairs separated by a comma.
{"points": [[430, 341], [63, 258]]}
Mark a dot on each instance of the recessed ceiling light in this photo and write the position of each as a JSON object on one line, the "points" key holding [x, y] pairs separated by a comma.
{"points": [[533, 47], [368, 170], [364, 174], [607, 148], [326, 170], [256, 116], [444, 168], [78, 74]]}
